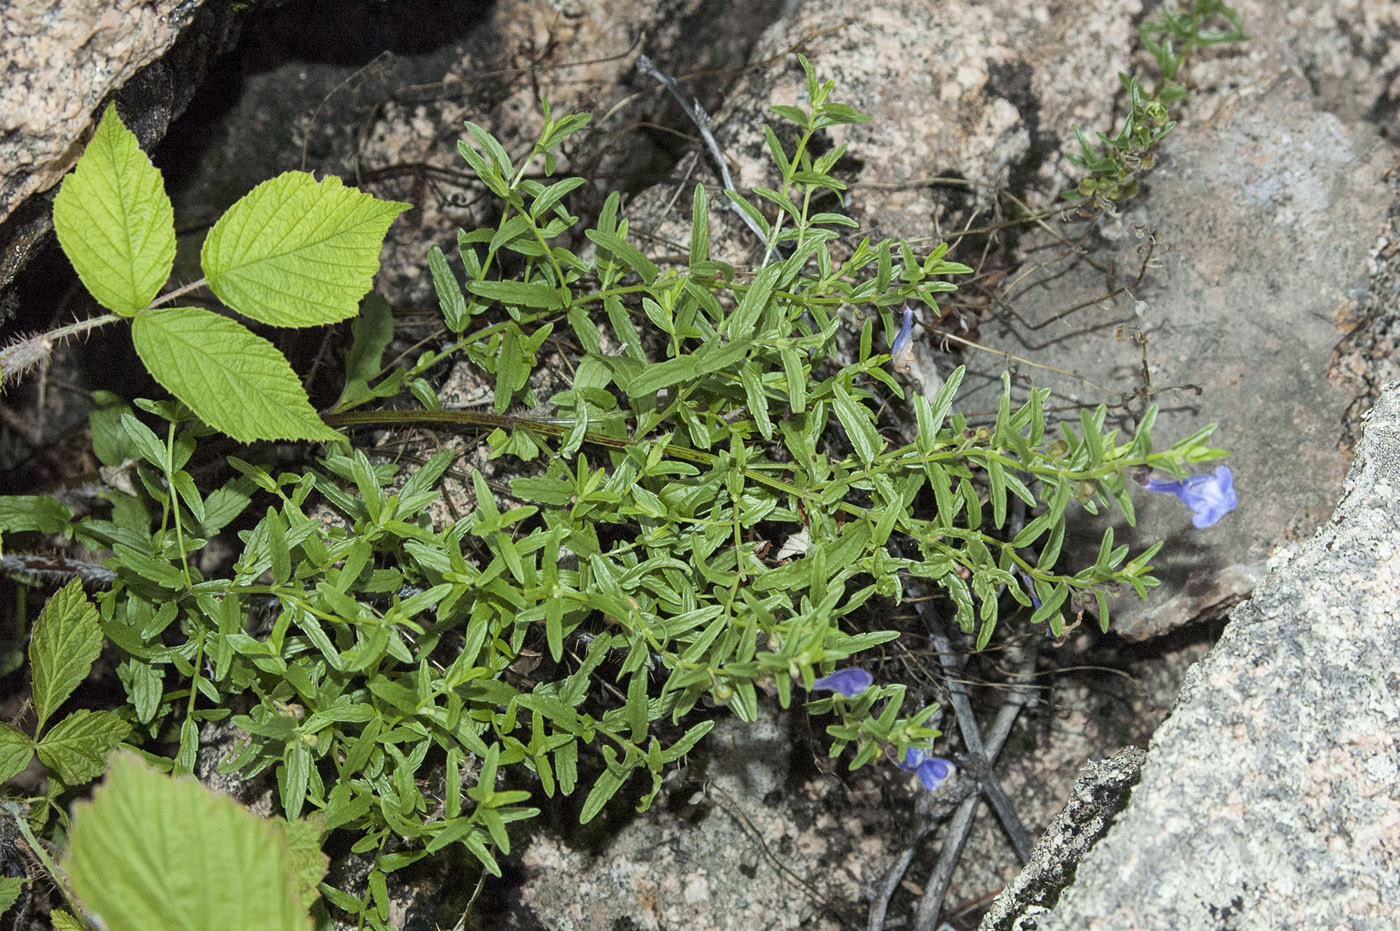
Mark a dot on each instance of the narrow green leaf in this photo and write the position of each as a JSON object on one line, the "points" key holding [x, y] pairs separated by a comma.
{"points": [[699, 226], [114, 220], [756, 399], [855, 418], [627, 253], [796, 379], [297, 252], [603, 790], [754, 302], [151, 853], [521, 293], [552, 195], [236, 382], [77, 747], [370, 334], [67, 639], [109, 443], [449, 293], [144, 687]]}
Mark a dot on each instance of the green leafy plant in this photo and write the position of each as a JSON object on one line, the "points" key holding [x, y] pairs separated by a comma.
{"points": [[294, 252], [1114, 165], [66, 641], [151, 853], [716, 509]]}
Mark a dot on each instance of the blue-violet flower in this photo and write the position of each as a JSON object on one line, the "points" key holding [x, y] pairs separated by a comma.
{"points": [[932, 771], [902, 349], [1210, 497], [849, 682]]}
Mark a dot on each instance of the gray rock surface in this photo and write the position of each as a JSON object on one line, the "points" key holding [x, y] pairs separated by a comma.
{"points": [[1269, 798], [1264, 219], [60, 60]]}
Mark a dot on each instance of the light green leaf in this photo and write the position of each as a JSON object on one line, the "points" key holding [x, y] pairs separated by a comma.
{"points": [[151, 853], [67, 639], [297, 252], [62, 921], [77, 747], [10, 888], [114, 220], [16, 750], [235, 381]]}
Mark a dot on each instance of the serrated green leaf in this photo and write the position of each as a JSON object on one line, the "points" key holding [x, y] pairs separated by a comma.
{"points": [[10, 888], [151, 853], [303, 839], [67, 639], [114, 220], [16, 750], [235, 381], [23, 513], [77, 747], [297, 252]]}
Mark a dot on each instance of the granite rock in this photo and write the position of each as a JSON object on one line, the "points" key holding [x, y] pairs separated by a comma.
{"points": [[1269, 796]]}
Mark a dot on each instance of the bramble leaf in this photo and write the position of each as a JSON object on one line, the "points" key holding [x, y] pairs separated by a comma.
{"points": [[154, 853], [67, 639], [10, 888], [114, 220], [237, 382], [20, 513], [296, 252], [16, 750], [77, 747]]}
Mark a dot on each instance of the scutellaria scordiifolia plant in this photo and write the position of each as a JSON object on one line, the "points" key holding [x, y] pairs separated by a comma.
{"points": [[420, 683]]}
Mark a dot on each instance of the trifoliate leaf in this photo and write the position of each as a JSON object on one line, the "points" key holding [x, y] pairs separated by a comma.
{"points": [[152, 853], [67, 638], [114, 220], [296, 252], [77, 747], [235, 381]]}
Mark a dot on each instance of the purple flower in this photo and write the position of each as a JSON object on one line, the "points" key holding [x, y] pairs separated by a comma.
{"points": [[902, 350], [932, 771], [849, 682], [1210, 497]]}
